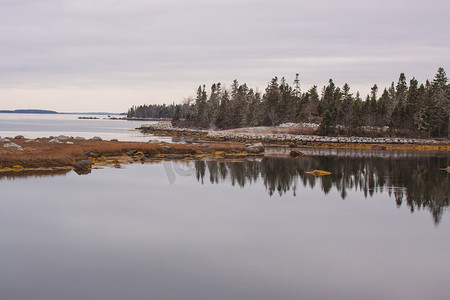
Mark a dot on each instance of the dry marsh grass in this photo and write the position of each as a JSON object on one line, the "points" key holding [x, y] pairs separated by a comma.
{"points": [[43, 153]]}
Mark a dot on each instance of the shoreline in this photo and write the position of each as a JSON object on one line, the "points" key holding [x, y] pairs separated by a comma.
{"points": [[46, 156], [64, 153], [295, 140], [81, 155]]}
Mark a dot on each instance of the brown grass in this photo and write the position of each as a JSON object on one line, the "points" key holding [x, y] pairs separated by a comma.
{"points": [[42, 153]]}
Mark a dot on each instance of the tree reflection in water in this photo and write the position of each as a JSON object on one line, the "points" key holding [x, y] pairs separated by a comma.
{"points": [[415, 180]]}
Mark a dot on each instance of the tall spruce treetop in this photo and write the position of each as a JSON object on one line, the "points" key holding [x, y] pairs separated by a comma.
{"points": [[440, 79], [441, 95], [401, 89], [271, 99], [297, 91]]}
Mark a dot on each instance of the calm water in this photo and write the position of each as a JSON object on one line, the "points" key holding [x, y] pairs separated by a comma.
{"points": [[377, 228], [45, 125]]}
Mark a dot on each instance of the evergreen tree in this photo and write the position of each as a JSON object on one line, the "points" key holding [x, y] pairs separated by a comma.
{"points": [[222, 120], [346, 110], [326, 126], [441, 96], [271, 100], [308, 106], [176, 116], [383, 109], [213, 103], [200, 105], [328, 95], [297, 91], [399, 115]]}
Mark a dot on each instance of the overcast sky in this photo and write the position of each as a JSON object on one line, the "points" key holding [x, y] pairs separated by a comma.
{"points": [[106, 55]]}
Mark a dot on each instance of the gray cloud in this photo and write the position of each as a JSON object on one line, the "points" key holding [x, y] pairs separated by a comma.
{"points": [[160, 50]]}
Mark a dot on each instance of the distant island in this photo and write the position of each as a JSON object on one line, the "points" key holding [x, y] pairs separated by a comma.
{"points": [[28, 111], [43, 111]]}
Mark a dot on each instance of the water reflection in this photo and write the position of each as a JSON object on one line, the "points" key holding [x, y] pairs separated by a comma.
{"points": [[33, 173], [415, 181]]}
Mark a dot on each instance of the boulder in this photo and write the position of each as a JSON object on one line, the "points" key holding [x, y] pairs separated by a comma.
{"points": [[63, 137], [54, 141], [19, 137], [90, 154], [295, 153], [80, 138], [96, 138], [83, 167], [132, 152], [255, 148], [12, 145], [4, 140]]}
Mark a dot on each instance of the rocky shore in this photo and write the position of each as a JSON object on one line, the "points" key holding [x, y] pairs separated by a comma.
{"points": [[381, 143]]}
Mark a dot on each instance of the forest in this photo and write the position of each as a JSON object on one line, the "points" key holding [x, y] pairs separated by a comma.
{"points": [[403, 109]]}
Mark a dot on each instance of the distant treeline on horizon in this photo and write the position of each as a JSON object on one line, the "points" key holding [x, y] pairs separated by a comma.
{"points": [[43, 111], [402, 109], [28, 111]]}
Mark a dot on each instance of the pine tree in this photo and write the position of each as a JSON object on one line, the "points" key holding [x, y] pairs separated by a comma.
{"points": [[441, 96], [297, 91], [325, 127], [383, 109], [222, 120], [309, 110], [176, 116], [271, 100], [347, 108], [399, 115], [200, 104]]}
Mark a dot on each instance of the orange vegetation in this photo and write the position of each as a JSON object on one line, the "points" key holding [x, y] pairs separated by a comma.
{"points": [[319, 173], [43, 153]]}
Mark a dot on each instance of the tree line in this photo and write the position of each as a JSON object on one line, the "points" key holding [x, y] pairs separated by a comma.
{"points": [[414, 109]]}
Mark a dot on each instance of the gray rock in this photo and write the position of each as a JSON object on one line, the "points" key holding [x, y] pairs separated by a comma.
{"points": [[83, 167], [90, 154], [295, 153], [54, 141], [256, 148], [96, 138], [69, 143], [114, 140], [12, 145], [19, 137], [80, 138], [63, 137], [4, 140]]}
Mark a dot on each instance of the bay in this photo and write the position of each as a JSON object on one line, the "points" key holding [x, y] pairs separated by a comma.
{"points": [[45, 125], [376, 228]]}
